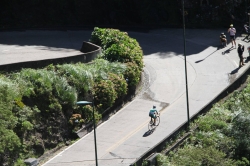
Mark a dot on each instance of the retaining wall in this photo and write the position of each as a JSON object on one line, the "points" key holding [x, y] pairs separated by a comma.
{"points": [[87, 53]]}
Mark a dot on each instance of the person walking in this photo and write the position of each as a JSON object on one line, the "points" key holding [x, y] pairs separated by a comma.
{"points": [[232, 32], [240, 53]]}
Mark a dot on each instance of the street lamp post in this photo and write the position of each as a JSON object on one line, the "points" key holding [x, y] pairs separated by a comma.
{"points": [[91, 103], [184, 39]]}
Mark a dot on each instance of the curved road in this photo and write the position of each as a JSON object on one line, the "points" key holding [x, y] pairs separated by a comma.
{"points": [[125, 137]]}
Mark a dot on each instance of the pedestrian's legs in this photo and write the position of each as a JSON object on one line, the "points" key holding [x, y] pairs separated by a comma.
{"points": [[234, 43]]}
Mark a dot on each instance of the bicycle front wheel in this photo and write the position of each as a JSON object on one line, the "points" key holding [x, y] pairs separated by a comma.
{"points": [[157, 120]]}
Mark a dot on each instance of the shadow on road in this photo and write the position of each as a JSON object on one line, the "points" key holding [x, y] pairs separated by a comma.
{"points": [[148, 133], [208, 55], [228, 51], [235, 71], [165, 44]]}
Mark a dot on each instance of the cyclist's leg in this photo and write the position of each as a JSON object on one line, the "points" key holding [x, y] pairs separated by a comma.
{"points": [[155, 119]]}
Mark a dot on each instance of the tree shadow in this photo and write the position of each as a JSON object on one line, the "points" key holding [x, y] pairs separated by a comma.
{"points": [[208, 55]]}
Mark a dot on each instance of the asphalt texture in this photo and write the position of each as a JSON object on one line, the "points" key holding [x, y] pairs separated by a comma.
{"points": [[125, 137]]}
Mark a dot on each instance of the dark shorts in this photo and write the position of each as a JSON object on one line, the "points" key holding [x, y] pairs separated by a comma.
{"points": [[152, 115], [232, 37]]}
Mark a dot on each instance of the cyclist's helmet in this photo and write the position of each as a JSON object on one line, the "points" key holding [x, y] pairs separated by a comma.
{"points": [[154, 106], [222, 33]]}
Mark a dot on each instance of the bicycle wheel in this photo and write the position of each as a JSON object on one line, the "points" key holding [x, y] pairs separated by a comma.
{"points": [[150, 125], [157, 120]]}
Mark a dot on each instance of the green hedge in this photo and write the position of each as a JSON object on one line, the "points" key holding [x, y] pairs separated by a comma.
{"points": [[119, 47]]}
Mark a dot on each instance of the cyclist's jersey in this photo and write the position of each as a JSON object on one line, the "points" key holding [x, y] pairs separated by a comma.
{"points": [[152, 112]]}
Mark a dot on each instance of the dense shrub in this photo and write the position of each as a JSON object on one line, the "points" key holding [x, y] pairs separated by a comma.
{"points": [[9, 141], [240, 131], [132, 74], [195, 156], [104, 94], [118, 46], [120, 84]]}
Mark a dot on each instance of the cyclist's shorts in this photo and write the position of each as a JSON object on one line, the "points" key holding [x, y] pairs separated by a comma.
{"points": [[152, 115]]}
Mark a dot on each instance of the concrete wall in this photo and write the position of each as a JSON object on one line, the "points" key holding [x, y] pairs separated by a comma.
{"points": [[87, 53]]}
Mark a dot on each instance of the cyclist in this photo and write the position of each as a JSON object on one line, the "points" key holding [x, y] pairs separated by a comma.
{"points": [[152, 114]]}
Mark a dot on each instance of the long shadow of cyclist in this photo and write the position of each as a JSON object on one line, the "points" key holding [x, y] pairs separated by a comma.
{"points": [[149, 132]]}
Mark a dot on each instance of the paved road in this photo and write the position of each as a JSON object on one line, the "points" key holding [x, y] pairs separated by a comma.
{"points": [[125, 137]]}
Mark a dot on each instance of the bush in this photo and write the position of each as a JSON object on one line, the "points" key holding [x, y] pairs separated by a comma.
{"points": [[10, 143], [120, 84], [240, 131], [132, 74], [191, 155], [104, 94], [118, 46]]}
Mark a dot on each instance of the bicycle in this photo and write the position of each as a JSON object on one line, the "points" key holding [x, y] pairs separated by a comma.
{"points": [[151, 125]]}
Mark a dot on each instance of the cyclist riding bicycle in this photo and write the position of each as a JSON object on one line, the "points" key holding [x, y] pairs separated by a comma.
{"points": [[152, 114]]}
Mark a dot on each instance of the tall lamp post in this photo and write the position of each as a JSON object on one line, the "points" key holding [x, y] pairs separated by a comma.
{"points": [[184, 39], [91, 103]]}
